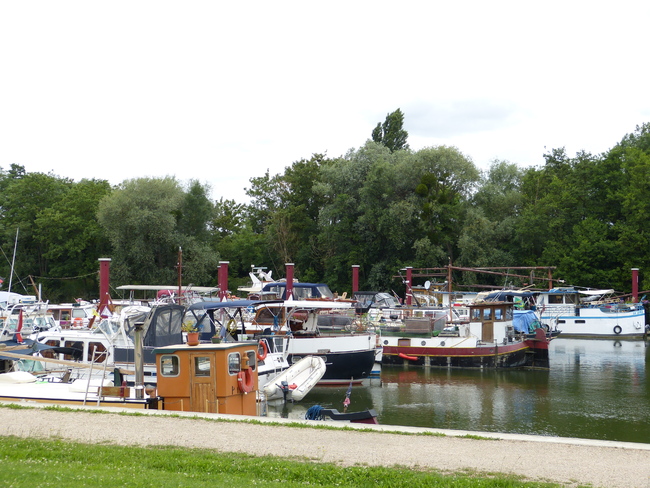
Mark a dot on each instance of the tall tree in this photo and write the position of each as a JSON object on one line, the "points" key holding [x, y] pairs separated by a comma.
{"points": [[144, 221], [391, 133], [488, 233], [73, 241], [23, 198], [447, 180]]}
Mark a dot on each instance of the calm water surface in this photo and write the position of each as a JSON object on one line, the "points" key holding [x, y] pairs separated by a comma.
{"points": [[596, 389]]}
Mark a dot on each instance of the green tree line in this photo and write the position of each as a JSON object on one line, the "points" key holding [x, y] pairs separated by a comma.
{"points": [[382, 206]]}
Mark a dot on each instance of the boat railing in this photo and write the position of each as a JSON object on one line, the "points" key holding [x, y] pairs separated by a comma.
{"points": [[558, 309]]}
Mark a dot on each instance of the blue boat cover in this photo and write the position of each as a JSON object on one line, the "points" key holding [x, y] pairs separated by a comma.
{"points": [[525, 321]]}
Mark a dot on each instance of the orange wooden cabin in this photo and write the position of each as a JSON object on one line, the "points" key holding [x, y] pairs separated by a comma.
{"points": [[216, 378]]}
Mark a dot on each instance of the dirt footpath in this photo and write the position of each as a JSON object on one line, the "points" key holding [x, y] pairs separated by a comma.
{"points": [[570, 462]]}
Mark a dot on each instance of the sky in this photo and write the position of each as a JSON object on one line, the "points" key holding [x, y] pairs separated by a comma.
{"points": [[222, 92]]}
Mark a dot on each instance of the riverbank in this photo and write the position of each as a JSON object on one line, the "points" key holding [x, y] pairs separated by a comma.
{"points": [[570, 462]]}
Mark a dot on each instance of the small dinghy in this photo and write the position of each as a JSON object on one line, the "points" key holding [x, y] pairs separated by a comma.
{"points": [[368, 416], [295, 382]]}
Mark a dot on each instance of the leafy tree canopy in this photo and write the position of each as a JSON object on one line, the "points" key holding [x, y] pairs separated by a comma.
{"points": [[391, 133]]}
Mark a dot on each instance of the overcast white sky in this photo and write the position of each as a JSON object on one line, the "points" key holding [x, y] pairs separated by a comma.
{"points": [[221, 92]]}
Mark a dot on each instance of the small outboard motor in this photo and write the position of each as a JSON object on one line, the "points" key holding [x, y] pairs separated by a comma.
{"points": [[284, 386]]}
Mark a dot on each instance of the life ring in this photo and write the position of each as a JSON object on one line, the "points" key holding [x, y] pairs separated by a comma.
{"points": [[245, 380], [617, 329], [232, 327], [261, 356], [78, 322]]}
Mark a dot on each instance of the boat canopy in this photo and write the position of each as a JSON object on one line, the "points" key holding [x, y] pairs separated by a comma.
{"points": [[198, 289], [300, 290], [595, 292], [508, 295], [589, 292], [27, 347], [230, 304], [312, 304]]}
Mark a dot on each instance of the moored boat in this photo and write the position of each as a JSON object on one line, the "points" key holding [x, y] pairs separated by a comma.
{"points": [[347, 354], [213, 378], [585, 313], [489, 340]]}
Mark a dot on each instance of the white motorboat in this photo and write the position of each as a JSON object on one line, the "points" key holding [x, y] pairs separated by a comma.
{"points": [[585, 313], [295, 382]]}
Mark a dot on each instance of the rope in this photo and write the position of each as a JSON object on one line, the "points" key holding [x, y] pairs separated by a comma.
{"points": [[314, 413], [66, 278]]}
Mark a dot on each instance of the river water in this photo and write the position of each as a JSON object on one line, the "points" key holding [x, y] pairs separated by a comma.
{"points": [[595, 389]]}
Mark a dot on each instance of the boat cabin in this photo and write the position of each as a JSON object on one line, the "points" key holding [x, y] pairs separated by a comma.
{"points": [[492, 321], [72, 315], [214, 378], [217, 378], [301, 291], [375, 299], [569, 300]]}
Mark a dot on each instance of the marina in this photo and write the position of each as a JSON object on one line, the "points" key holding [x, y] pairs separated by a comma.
{"points": [[595, 389], [481, 368]]}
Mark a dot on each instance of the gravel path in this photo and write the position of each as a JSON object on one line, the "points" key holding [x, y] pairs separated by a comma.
{"points": [[570, 462]]}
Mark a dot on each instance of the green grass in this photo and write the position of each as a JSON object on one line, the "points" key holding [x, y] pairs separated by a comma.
{"points": [[30, 463]]}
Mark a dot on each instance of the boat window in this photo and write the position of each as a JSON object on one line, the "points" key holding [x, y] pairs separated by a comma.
{"points": [[266, 316], [325, 291], [169, 365], [49, 353], [234, 363], [571, 299], [275, 289], [202, 366], [99, 350], [74, 350], [498, 314], [508, 313], [78, 313], [555, 299], [487, 314], [251, 359], [278, 344], [476, 314]]}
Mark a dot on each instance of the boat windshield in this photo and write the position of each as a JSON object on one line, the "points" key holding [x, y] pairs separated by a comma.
{"points": [[107, 327], [325, 291]]}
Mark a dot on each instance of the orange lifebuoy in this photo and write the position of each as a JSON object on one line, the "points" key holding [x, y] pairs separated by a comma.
{"points": [[245, 380], [78, 322], [261, 356]]}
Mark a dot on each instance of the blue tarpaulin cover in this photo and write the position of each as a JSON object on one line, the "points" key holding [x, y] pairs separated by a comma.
{"points": [[525, 321]]}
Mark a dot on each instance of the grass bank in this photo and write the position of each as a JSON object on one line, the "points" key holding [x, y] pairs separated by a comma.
{"points": [[30, 463]]}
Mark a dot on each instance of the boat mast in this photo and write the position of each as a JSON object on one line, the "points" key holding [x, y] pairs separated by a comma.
{"points": [[451, 305], [180, 273], [13, 260]]}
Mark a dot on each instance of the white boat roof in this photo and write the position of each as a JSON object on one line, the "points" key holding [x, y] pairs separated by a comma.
{"points": [[595, 292], [313, 304], [198, 289]]}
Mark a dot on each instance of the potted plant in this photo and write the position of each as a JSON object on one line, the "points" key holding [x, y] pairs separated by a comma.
{"points": [[192, 331]]}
